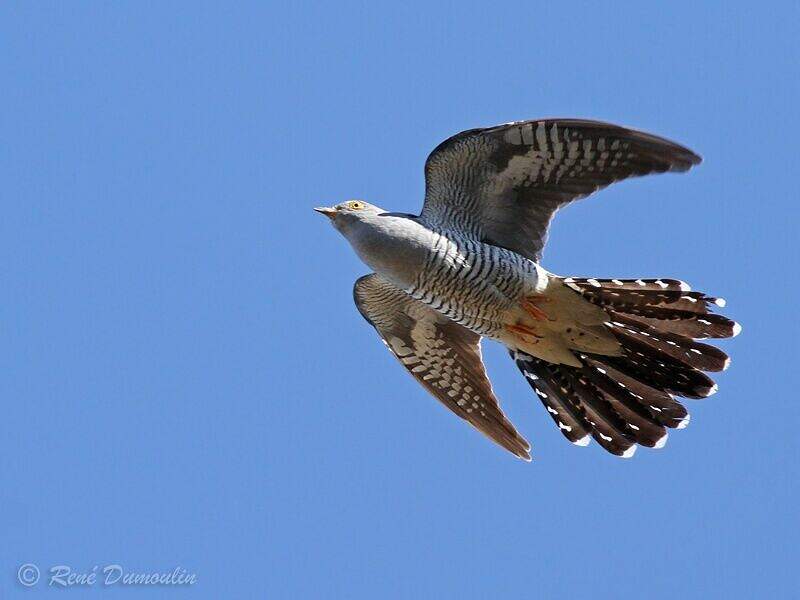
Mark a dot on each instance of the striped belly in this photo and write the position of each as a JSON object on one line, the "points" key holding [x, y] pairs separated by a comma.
{"points": [[472, 283]]}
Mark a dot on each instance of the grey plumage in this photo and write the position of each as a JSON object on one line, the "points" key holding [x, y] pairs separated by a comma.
{"points": [[604, 356], [505, 183]]}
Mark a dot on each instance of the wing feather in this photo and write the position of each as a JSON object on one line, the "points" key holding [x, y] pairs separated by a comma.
{"points": [[442, 355], [503, 184]]}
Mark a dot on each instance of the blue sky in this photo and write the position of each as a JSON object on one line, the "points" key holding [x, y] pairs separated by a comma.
{"points": [[186, 382]]}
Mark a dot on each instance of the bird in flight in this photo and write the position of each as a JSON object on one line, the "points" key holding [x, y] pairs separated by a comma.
{"points": [[606, 357]]}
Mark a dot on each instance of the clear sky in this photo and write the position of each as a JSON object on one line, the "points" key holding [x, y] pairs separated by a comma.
{"points": [[185, 380]]}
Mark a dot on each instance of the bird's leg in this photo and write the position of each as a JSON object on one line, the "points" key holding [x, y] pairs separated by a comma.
{"points": [[529, 304]]}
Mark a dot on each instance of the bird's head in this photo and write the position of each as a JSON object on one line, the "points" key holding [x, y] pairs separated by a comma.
{"points": [[349, 213], [392, 244]]}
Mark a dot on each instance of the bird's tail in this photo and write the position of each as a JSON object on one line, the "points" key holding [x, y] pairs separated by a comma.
{"points": [[622, 401]]}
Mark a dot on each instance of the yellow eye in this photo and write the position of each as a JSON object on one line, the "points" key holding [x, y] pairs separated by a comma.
{"points": [[355, 205]]}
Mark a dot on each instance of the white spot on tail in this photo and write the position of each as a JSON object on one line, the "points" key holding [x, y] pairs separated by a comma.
{"points": [[584, 441], [684, 422], [662, 441], [727, 363], [629, 452], [737, 329], [721, 302]]}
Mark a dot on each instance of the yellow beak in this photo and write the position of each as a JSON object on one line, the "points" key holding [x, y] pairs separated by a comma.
{"points": [[326, 210]]}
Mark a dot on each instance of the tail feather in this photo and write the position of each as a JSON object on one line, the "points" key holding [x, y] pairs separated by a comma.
{"points": [[628, 293], [686, 323], [565, 410], [695, 354], [657, 371], [577, 412], [656, 285], [663, 407], [609, 427], [642, 420], [628, 399]]}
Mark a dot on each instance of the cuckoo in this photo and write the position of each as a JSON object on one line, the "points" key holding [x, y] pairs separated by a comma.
{"points": [[606, 357]]}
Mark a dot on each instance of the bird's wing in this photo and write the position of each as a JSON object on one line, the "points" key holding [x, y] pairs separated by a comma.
{"points": [[503, 184], [442, 355]]}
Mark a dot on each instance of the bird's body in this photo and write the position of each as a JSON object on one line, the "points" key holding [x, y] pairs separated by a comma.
{"points": [[467, 268], [483, 287], [468, 281]]}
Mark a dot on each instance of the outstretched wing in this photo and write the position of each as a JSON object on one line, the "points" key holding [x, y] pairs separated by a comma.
{"points": [[442, 355], [503, 184]]}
